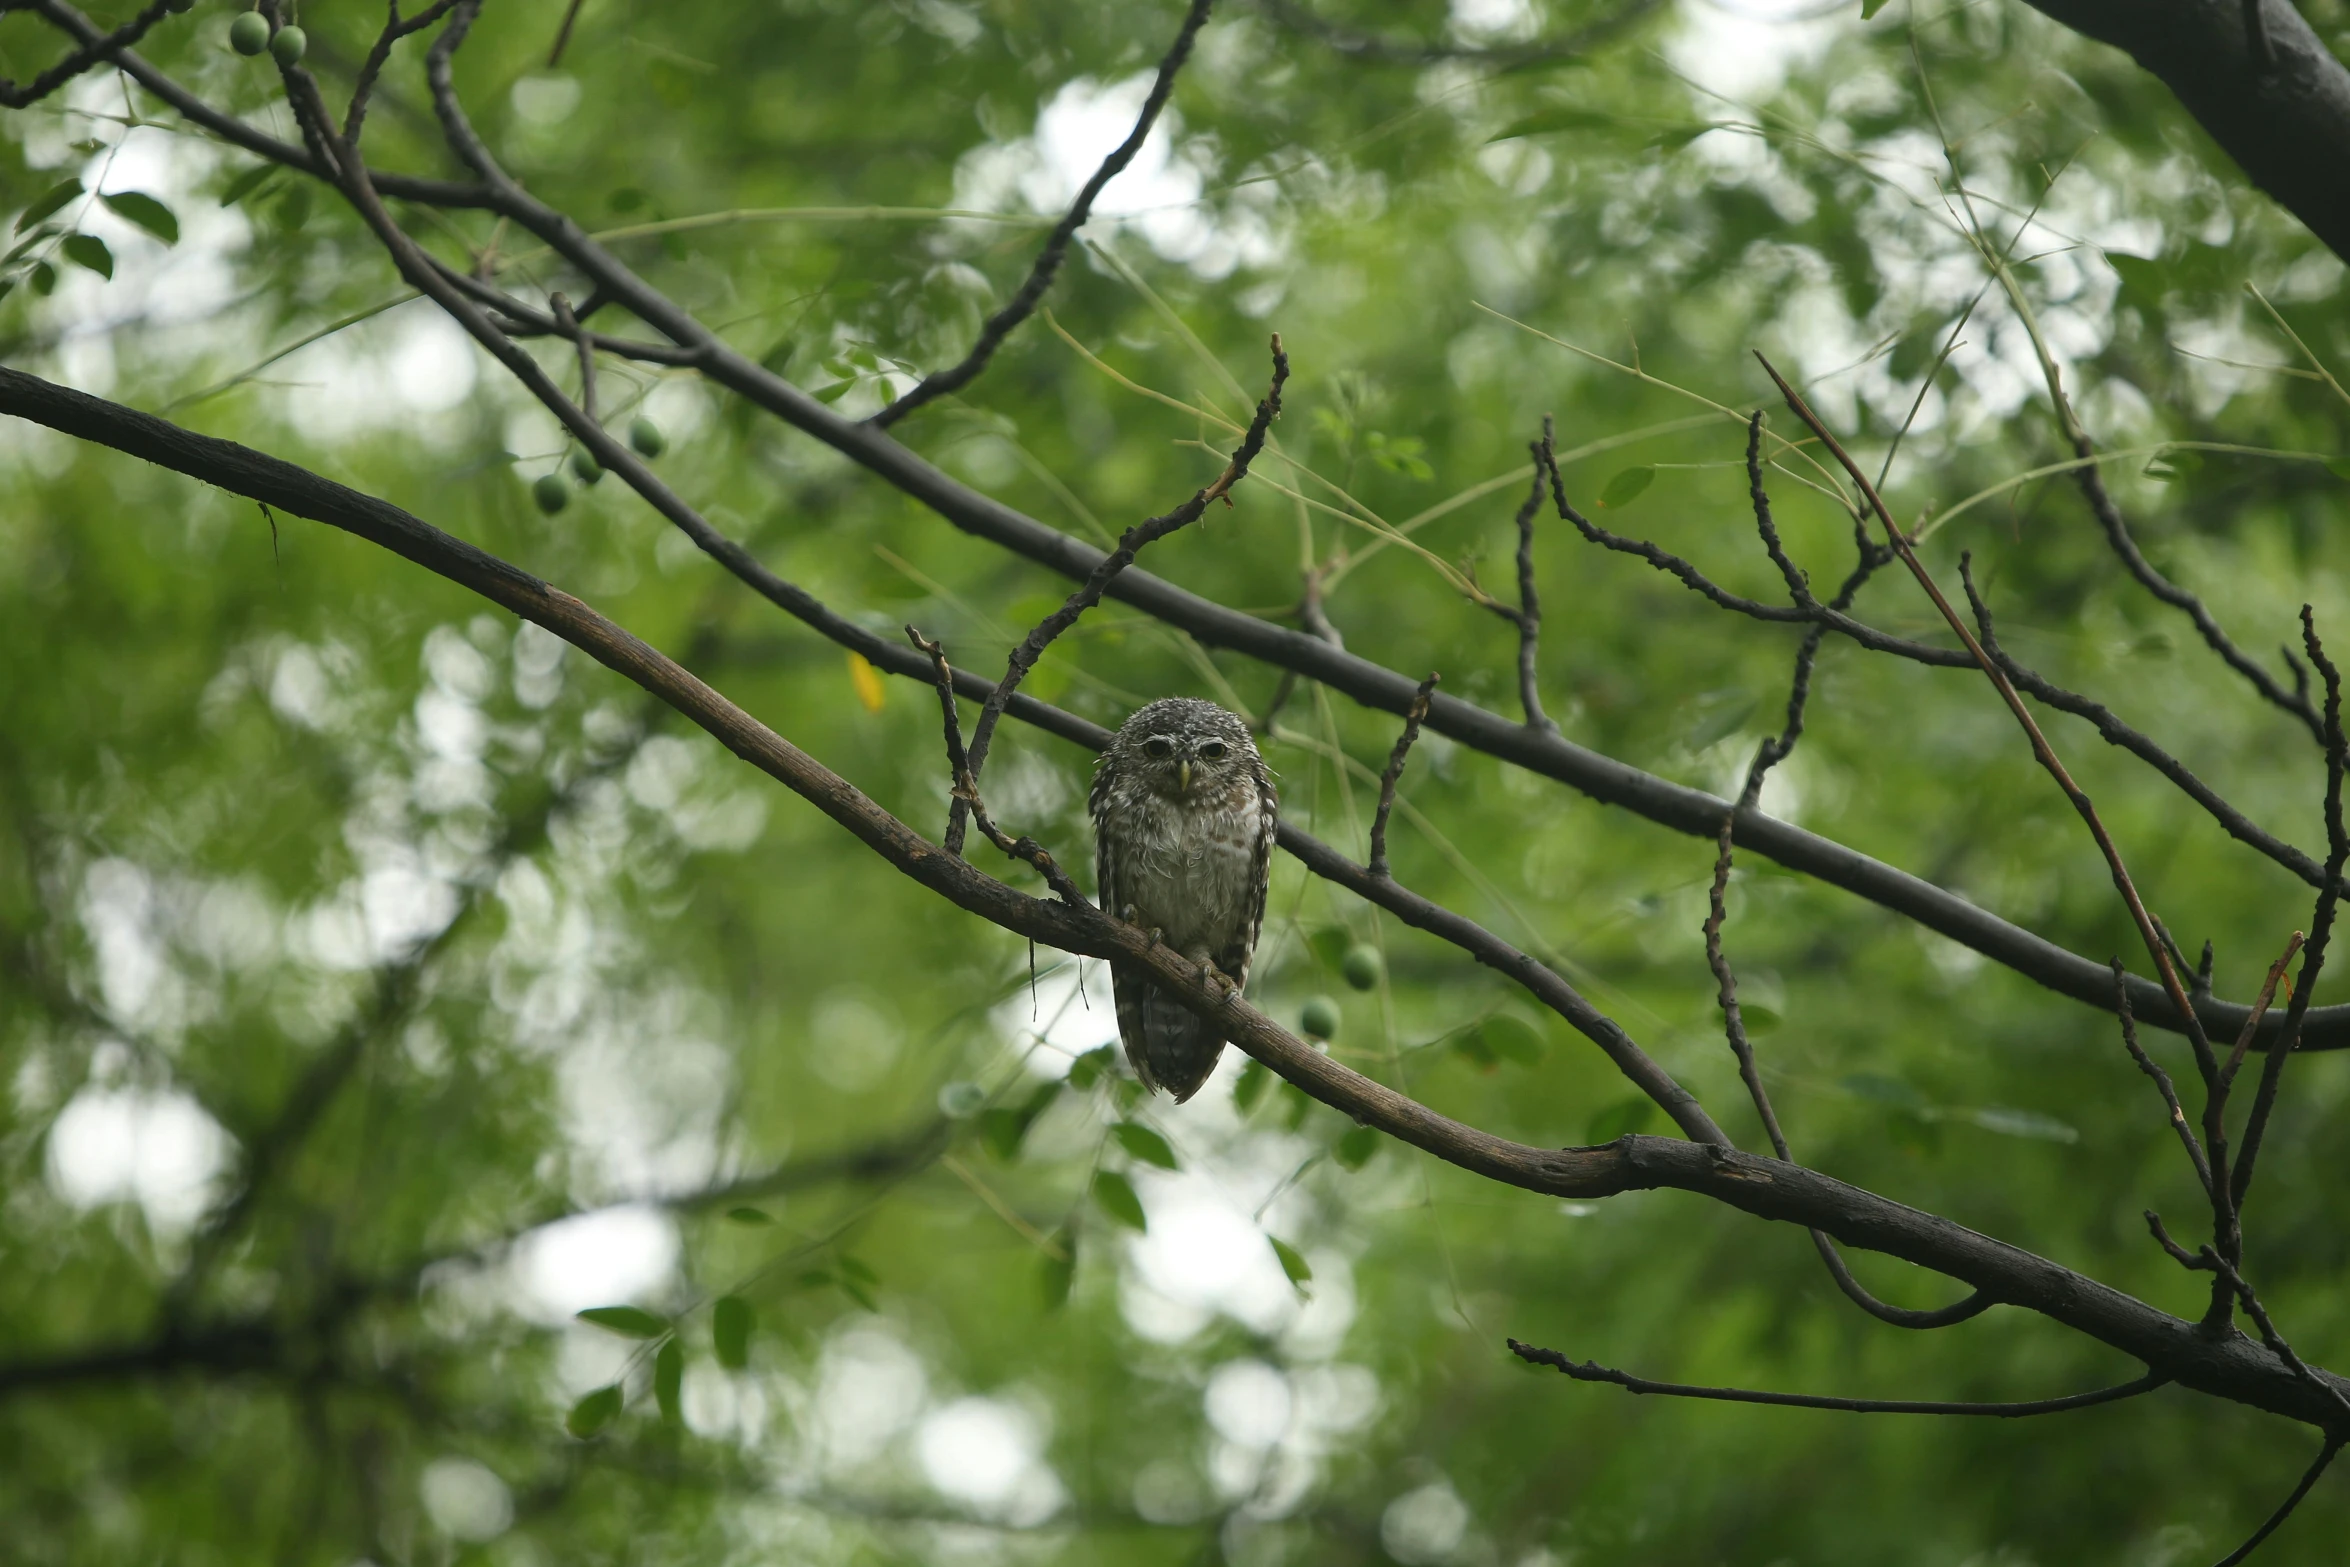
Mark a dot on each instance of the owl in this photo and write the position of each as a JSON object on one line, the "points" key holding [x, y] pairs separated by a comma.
{"points": [[1183, 816]]}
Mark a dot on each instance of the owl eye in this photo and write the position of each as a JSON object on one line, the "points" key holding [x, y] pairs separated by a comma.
{"points": [[1158, 748], [1213, 751]]}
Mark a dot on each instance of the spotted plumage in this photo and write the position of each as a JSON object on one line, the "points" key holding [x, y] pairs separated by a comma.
{"points": [[1183, 818]]}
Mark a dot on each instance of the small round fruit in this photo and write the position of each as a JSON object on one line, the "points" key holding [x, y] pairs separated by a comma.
{"points": [[1362, 966], [1318, 1018], [646, 437], [551, 493], [249, 34], [583, 467], [286, 45]]}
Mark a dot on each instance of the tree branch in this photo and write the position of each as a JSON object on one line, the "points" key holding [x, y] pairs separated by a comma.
{"points": [[1056, 246], [2227, 1367], [1592, 1371]]}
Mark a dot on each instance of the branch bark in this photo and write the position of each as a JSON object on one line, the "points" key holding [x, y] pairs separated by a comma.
{"points": [[2228, 1366], [2286, 123]]}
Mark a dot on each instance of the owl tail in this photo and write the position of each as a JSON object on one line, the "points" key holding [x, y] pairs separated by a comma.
{"points": [[1171, 1047]]}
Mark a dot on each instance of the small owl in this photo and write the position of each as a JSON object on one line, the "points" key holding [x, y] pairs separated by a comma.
{"points": [[1183, 815]]}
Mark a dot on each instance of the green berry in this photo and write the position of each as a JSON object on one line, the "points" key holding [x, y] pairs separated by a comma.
{"points": [[287, 43], [1318, 1018], [551, 493], [646, 437], [583, 467], [249, 34], [1362, 966]]}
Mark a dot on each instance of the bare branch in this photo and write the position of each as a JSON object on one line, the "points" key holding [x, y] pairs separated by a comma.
{"points": [[2044, 753], [2162, 1083], [1592, 1371], [1393, 771], [380, 53], [2309, 1478], [1056, 246], [1771, 1189], [966, 787], [1089, 593], [95, 47], [2321, 925]]}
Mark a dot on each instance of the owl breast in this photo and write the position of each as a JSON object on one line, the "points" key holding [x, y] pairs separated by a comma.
{"points": [[1189, 873]]}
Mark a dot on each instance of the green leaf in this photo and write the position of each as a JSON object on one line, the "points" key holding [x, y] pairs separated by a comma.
{"points": [[1354, 1150], [1620, 1119], [89, 251], [136, 206], [247, 183], [47, 202], [1293, 1263], [1470, 1044], [1254, 1079], [730, 1331], [2023, 1123], [2339, 467], [7, 286], [594, 1412], [44, 278], [1869, 8], [1001, 1131], [627, 1320], [855, 1268], [1891, 1092], [46, 231], [1560, 119], [292, 209], [832, 393], [1759, 1020], [1144, 1144], [2144, 279], [669, 1380], [1058, 1273], [1510, 1039], [1627, 486], [1114, 1194], [1721, 715], [748, 1216], [1088, 1068]]}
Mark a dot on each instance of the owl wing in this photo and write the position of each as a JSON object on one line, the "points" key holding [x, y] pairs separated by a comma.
{"points": [[1241, 950]]}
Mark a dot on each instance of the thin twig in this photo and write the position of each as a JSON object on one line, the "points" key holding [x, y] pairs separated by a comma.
{"points": [[1131, 543], [2041, 749], [966, 786], [2162, 1083], [2321, 925], [92, 51], [1394, 770], [560, 308], [1527, 616], [1056, 246], [379, 54], [2309, 1478], [1592, 1371]]}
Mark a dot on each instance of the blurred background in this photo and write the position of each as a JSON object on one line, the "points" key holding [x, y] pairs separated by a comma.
{"points": [[382, 985]]}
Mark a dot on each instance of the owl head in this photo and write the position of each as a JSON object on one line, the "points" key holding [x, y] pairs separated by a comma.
{"points": [[1182, 748]]}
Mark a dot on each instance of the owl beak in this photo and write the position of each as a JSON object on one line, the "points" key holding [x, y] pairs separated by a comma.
{"points": [[1183, 776]]}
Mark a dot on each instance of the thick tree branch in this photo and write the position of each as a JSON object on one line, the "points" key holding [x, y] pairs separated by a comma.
{"points": [[2227, 1367], [2286, 123]]}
